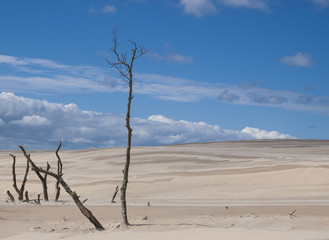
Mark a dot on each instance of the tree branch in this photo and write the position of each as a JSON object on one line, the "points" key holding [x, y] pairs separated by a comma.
{"points": [[85, 211]]}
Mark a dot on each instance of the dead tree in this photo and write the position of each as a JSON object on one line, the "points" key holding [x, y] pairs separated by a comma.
{"points": [[85, 211], [20, 191], [125, 68], [59, 172]]}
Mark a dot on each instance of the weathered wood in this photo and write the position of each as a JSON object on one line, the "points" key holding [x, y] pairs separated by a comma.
{"points": [[59, 171], [85, 211], [10, 196]]}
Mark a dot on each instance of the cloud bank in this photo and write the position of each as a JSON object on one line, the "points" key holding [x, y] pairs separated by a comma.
{"points": [[41, 125]]}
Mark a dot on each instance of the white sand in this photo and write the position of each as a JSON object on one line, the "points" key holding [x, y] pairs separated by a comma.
{"points": [[188, 186]]}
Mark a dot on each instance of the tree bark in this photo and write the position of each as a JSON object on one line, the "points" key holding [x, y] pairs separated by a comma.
{"points": [[127, 164], [85, 211]]}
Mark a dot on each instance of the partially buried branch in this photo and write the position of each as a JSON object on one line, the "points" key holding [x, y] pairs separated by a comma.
{"points": [[85, 211]]}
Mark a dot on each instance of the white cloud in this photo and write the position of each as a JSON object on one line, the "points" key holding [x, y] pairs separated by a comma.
{"points": [[175, 57], [41, 124], [32, 121], [106, 9], [253, 4], [300, 60], [40, 76], [262, 134], [198, 8]]}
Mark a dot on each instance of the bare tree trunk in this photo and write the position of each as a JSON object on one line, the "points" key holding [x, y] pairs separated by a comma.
{"points": [[85, 211], [127, 164], [125, 68], [20, 191], [27, 199], [59, 172]]}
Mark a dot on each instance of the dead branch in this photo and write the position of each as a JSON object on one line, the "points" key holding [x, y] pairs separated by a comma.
{"points": [[115, 194], [20, 191], [59, 172], [85, 211], [292, 214], [10, 196], [43, 180]]}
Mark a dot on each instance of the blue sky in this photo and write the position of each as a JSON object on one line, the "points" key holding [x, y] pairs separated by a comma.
{"points": [[216, 70]]}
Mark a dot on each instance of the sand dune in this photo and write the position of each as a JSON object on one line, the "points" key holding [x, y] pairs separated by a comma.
{"points": [[236, 190]]}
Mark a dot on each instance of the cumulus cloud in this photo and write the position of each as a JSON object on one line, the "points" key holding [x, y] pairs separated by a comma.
{"points": [[299, 60], [32, 121], [40, 124], [252, 4], [198, 8], [262, 134]]}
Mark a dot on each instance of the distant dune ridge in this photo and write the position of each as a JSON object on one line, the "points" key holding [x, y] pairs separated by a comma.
{"points": [[232, 190]]}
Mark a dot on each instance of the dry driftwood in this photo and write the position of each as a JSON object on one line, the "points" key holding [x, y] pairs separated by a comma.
{"points": [[85, 211]]}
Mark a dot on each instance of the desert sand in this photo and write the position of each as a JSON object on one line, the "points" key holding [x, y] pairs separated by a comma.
{"points": [[222, 190]]}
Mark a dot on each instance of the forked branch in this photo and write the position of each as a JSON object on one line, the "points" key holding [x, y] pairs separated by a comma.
{"points": [[20, 191]]}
